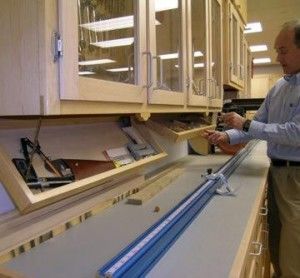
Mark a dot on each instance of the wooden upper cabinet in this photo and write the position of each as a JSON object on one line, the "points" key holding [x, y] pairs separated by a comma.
{"points": [[19, 57], [166, 52], [216, 61], [205, 53], [103, 57], [234, 64], [241, 7], [104, 46]]}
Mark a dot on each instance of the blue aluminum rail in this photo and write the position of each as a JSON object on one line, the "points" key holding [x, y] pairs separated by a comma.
{"points": [[137, 259]]}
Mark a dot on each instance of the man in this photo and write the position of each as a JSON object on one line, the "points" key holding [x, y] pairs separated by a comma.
{"points": [[278, 122]]}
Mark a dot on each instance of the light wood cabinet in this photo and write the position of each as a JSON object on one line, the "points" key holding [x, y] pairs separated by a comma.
{"points": [[247, 73], [95, 57], [252, 259], [234, 60], [205, 53], [241, 6]]}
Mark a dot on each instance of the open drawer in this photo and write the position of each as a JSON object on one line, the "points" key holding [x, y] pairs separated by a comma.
{"points": [[96, 140], [180, 127]]}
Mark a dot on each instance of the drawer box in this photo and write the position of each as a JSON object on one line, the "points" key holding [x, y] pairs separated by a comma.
{"points": [[179, 128]]}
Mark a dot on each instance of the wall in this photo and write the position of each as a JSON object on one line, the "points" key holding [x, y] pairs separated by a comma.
{"points": [[264, 77]]}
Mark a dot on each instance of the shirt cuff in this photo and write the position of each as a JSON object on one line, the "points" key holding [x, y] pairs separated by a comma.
{"points": [[235, 136], [256, 129]]}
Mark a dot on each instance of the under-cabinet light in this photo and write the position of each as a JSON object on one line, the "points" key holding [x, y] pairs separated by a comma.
{"points": [[116, 23], [258, 48], [165, 5], [96, 62], [114, 43], [253, 27], [120, 69], [261, 60], [86, 72]]}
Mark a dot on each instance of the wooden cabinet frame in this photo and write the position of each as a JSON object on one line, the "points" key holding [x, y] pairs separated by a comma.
{"points": [[26, 201]]}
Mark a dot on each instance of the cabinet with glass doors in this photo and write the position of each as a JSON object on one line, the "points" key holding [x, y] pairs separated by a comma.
{"points": [[205, 53], [110, 56], [234, 63], [105, 45]]}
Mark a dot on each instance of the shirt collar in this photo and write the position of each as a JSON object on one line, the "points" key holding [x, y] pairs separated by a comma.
{"points": [[292, 79]]}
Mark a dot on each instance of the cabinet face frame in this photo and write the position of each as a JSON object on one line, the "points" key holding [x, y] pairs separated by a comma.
{"points": [[157, 95], [74, 87]]}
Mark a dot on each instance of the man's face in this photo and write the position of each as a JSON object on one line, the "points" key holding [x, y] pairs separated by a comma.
{"points": [[288, 54]]}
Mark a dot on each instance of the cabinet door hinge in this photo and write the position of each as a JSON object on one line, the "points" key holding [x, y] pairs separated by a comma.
{"points": [[58, 47]]}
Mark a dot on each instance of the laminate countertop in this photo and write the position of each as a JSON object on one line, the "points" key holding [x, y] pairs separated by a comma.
{"points": [[207, 248]]}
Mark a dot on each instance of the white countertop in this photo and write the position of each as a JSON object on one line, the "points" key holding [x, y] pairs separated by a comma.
{"points": [[207, 248]]}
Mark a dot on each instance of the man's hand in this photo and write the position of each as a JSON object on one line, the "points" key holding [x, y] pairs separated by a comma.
{"points": [[216, 137], [233, 120]]}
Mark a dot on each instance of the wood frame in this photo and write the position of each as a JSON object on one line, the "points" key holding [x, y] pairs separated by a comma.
{"points": [[26, 201], [177, 136]]}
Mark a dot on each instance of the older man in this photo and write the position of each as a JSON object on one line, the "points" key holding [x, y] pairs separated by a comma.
{"points": [[278, 122]]}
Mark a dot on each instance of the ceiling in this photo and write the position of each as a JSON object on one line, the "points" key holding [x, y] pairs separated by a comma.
{"points": [[272, 14]]}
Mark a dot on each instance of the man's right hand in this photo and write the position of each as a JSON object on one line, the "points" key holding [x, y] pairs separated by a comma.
{"points": [[215, 137]]}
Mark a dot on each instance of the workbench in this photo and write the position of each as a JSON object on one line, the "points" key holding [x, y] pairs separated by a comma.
{"points": [[214, 245]]}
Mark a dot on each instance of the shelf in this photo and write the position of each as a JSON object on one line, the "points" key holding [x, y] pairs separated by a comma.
{"points": [[68, 140]]}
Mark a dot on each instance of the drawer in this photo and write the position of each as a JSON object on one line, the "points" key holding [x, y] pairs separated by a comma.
{"points": [[179, 128]]}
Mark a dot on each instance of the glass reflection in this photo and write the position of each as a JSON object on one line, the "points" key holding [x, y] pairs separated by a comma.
{"points": [[106, 33], [199, 46], [168, 44]]}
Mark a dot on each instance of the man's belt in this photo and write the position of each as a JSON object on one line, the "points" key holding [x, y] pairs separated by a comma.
{"points": [[284, 163]]}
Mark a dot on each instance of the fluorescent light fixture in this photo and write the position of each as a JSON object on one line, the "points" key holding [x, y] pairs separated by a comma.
{"points": [[197, 65], [169, 56], [261, 60], [258, 48], [96, 62], [119, 69], [86, 72], [175, 55], [253, 27], [116, 23], [198, 54], [114, 43], [163, 5]]}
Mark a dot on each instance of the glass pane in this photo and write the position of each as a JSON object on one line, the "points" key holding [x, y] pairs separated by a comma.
{"points": [[199, 46], [216, 46], [234, 46], [241, 54], [107, 39], [168, 43]]}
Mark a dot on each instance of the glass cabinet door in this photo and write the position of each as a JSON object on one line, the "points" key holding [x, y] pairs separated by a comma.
{"points": [[165, 51], [216, 51], [234, 45], [103, 41], [242, 55], [198, 52], [106, 40]]}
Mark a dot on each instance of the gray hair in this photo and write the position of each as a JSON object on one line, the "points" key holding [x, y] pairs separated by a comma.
{"points": [[293, 24]]}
